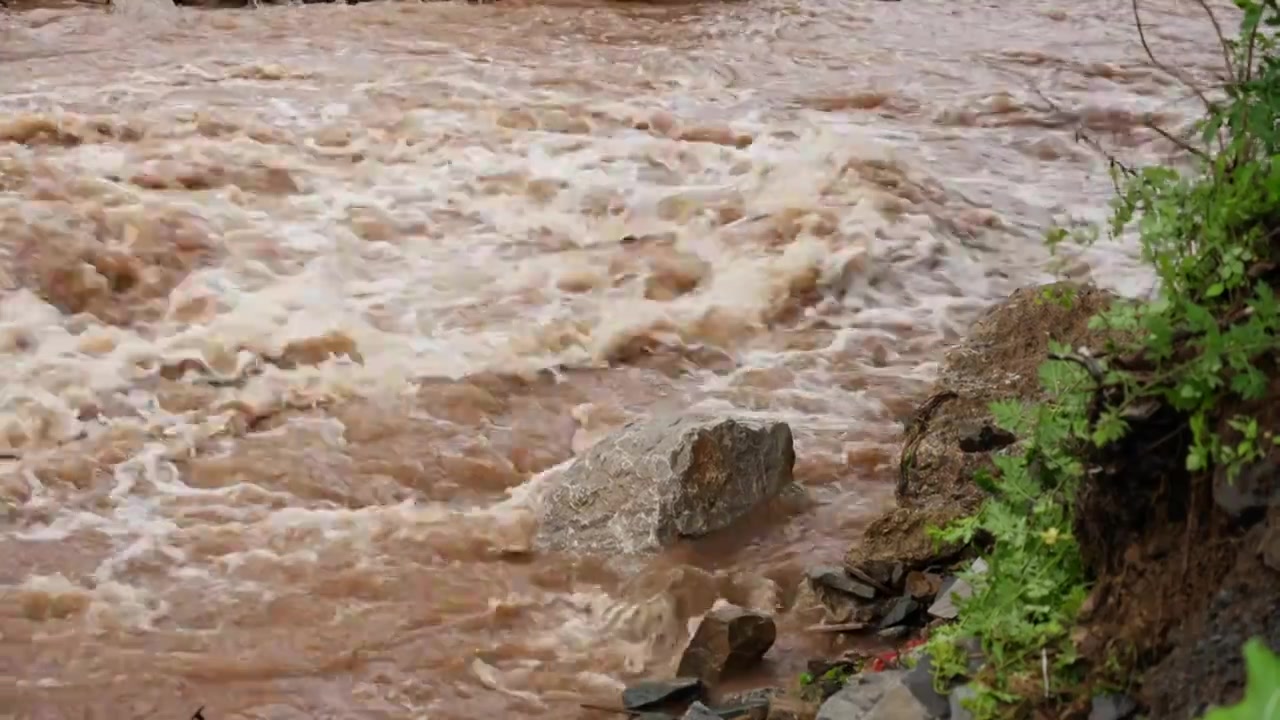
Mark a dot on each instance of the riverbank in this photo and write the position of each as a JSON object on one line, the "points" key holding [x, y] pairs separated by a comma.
{"points": [[1113, 462]]}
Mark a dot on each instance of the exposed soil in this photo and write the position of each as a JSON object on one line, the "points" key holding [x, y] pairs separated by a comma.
{"points": [[1180, 583]]}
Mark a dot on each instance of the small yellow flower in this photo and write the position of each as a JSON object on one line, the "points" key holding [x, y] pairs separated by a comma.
{"points": [[1050, 536]]}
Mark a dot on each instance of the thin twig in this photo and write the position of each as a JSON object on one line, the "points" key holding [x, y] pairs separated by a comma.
{"points": [[1091, 365], [1183, 144], [1222, 39], [1142, 35]]}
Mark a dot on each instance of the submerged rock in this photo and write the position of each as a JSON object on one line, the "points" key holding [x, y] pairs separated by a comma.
{"points": [[837, 578], [729, 639], [652, 483]]}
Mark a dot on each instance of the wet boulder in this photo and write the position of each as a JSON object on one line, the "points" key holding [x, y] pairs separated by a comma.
{"points": [[652, 483], [729, 639]]}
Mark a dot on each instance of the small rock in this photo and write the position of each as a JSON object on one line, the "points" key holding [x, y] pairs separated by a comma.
{"points": [[896, 632], [945, 606], [921, 585], [919, 680], [698, 711], [899, 703], [728, 639], [650, 693], [898, 572], [875, 573], [875, 696], [649, 484], [1112, 707], [985, 437], [838, 578], [899, 612], [957, 699]]}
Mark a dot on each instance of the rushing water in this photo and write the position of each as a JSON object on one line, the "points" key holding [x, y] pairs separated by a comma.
{"points": [[518, 225]]}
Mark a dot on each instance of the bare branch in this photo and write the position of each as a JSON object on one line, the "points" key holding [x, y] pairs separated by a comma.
{"points": [[1222, 39], [1183, 144], [1142, 35]]}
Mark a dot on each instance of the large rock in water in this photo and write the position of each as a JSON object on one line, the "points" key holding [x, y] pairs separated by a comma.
{"points": [[651, 483], [729, 639]]}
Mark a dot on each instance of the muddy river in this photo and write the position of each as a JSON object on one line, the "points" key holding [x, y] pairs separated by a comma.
{"points": [[299, 301]]}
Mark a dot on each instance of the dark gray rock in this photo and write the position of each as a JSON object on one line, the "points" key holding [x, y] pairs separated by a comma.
{"points": [[957, 699], [729, 639], [899, 703], [897, 632], [698, 711], [837, 578], [1112, 707], [647, 694], [919, 680], [900, 611], [985, 437], [649, 484], [946, 606], [874, 696]]}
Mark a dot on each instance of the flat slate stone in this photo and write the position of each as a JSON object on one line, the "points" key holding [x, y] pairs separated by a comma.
{"points": [[648, 693]]}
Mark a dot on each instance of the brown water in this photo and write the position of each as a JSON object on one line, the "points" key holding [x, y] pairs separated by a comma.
{"points": [[520, 225]]}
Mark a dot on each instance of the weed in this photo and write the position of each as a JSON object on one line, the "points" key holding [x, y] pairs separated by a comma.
{"points": [[1210, 235]]}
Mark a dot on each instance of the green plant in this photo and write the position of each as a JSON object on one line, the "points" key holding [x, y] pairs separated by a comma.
{"points": [[1023, 606], [1205, 344], [1262, 692]]}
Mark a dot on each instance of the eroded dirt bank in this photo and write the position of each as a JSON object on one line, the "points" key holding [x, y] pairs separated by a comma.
{"points": [[1185, 567]]}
